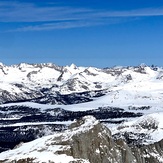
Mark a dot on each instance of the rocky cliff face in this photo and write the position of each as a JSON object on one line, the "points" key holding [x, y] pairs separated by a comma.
{"points": [[152, 153], [97, 146], [86, 140]]}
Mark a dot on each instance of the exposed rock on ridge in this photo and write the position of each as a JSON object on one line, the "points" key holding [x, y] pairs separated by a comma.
{"points": [[86, 140]]}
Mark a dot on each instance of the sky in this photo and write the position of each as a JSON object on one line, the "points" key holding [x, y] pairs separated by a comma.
{"points": [[87, 33]]}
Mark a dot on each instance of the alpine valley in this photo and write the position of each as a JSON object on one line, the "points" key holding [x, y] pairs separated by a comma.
{"points": [[56, 114]]}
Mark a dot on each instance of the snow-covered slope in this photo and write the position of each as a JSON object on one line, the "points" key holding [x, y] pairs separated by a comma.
{"points": [[147, 129]]}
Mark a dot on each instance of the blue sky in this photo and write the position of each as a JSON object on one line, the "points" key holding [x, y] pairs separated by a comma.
{"points": [[88, 33]]}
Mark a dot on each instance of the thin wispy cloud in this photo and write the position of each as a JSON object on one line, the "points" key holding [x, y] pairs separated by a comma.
{"points": [[27, 12], [52, 26], [64, 17], [65, 25], [134, 13]]}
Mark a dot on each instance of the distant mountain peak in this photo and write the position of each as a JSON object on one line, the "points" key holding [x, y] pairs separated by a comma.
{"points": [[73, 66], [143, 65], [1, 64]]}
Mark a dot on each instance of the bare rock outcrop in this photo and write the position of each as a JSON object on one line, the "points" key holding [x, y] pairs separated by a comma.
{"points": [[86, 140]]}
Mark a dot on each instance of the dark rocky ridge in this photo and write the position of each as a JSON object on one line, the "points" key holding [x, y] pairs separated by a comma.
{"points": [[43, 96], [96, 145]]}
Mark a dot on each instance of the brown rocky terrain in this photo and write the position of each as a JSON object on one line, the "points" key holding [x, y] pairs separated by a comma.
{"points": [[86, 140]]}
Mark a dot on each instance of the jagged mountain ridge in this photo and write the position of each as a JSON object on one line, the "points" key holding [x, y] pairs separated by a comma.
{"points": [[26, 82], [85, 141]]}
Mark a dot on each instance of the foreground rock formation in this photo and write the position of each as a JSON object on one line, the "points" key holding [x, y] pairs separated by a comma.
{"points": [[86, 140]]}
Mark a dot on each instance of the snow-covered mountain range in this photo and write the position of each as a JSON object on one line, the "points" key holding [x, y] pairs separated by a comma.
{"points": [[39, 99], [31, 81]]}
